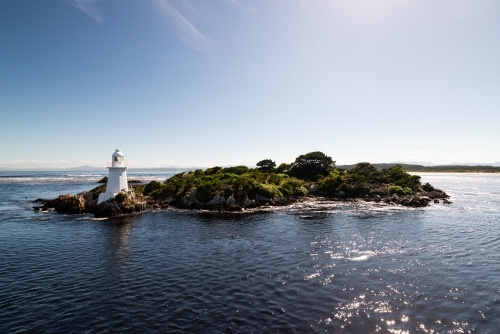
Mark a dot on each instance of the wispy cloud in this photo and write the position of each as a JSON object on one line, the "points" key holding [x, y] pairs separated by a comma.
{"points": [[87, 6], [180, 15], [184, 28], [239, 4]]}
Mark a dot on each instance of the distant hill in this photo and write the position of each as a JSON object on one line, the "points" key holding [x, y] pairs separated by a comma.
{"points": [[494, 164], [86, 168], [415, 163], [436, 169]]}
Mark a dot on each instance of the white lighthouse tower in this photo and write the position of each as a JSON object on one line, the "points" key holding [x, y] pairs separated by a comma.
{"points": [[117, 178]]}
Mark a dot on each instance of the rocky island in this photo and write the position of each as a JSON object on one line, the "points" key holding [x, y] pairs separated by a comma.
{"points": [[240, 188]]}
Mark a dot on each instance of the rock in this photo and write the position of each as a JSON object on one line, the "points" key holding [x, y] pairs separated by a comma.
{"points": [[68, 204], [446, 201], [339, 194], [230, 201], [313, 188], [262, 200], [103, 180], [140, 206], [108, 208], [249, 203], [436, 201], [217, 200], [235, 208], [134, 181], [37, 208], [128, 209]]}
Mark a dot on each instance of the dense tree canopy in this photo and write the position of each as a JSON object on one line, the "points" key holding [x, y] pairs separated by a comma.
{"points": [[311, 165], [266, 165]]}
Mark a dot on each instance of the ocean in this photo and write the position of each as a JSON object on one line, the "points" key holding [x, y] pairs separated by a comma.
{"points": [[313, 267]]}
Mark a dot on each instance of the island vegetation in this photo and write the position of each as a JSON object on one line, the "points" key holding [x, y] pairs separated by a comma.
{"points": [[238, 188], [435, 169]]}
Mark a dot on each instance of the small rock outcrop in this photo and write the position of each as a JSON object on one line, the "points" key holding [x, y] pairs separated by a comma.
{"points": [[86, 202]]}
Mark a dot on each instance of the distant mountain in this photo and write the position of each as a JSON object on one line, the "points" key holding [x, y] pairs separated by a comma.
{"points": [[495, 164], [417, 163], [86, 168]]}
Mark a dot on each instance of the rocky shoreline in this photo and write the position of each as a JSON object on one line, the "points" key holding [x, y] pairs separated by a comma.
{"points": [[122, 204]]}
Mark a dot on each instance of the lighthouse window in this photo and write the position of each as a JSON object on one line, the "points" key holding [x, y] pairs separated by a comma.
{"points": [[119, 159]]}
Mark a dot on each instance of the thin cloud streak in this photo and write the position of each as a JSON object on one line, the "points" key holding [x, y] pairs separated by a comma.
{"points": [[184, 28], [87, 6], [239, 5]]}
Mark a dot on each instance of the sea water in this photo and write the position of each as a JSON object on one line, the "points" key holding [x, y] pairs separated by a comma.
{"points": [[329, 267]]}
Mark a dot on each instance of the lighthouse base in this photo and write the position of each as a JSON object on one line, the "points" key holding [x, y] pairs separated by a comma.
{"points": [[105, 196]]}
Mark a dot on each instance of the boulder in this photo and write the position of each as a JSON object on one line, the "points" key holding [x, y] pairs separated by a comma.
{"points": [[140, 206], [230, 201], [109, 208], [217, 200], [103, 180]]}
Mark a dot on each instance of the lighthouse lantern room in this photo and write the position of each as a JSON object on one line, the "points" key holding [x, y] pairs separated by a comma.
{"points": [[117, 178]]}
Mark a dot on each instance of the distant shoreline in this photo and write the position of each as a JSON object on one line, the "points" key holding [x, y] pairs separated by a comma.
{"points": [[454, 173], [435, 169]]}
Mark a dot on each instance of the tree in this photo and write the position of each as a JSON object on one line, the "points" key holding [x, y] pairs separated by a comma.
{"points": [[266, 165], [311, 164], [283, 168]]}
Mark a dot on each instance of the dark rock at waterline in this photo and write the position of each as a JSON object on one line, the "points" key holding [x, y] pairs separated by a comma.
{"points": [[109, 208], [134, 181], [71, 204]]}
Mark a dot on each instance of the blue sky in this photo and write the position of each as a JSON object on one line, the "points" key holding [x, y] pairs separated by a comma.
{"points": [[225, 82]]}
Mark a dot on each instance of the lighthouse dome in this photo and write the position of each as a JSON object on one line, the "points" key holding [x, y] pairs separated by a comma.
{"points": [[117, 159], [117, 153]]}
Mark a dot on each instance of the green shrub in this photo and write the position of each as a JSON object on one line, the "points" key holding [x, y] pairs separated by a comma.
{"points": [[427, 187], [238, 170], [268, 190], [365, 172], [393, 189], [332, 183], [283, 168], [213, 170], [151, 186], [399, 177], [139, 191], [98, 190], [293, 187], [121, 197]]}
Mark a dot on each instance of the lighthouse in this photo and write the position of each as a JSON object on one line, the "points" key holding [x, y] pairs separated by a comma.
{"points": [[117, 178]]}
